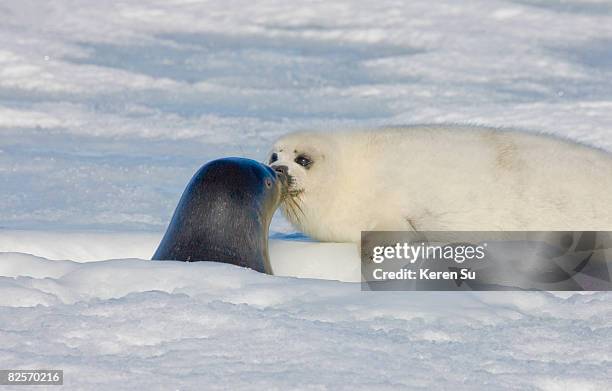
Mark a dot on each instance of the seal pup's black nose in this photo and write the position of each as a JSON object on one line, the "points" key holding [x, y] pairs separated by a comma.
{"points": [[281, 170]]}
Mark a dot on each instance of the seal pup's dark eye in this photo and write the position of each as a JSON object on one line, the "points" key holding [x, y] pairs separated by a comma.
{"points": [[273, 158], [303, 161], [268, 182]]}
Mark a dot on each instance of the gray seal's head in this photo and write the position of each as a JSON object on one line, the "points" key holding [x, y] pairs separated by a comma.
{"points": [[224, 215]]}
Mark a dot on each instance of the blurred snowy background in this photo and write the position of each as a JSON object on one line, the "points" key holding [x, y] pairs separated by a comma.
{"points": [[107, 109]]}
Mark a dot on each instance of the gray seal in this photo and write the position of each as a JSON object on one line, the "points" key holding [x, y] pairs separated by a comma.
{"points": [[224, 215]]}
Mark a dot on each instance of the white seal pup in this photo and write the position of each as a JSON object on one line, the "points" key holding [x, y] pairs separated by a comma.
{"points": [[441, 177]]}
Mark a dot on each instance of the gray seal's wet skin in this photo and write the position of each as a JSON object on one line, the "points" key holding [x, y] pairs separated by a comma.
{"points": [[224, 215]]}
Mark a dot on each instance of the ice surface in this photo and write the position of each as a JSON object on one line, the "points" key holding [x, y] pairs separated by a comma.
{"points": [[133, 323], [288, 256], [108, 108]]}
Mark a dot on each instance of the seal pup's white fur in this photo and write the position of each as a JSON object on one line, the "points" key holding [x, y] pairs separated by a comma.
{"points": [[433, 178]]}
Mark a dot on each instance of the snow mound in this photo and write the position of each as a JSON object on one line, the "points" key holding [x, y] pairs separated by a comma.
{"points": [[136, 323], [297, 258]]}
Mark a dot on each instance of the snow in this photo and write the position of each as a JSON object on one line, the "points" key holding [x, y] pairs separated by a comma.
{"points": [[136, 323], [290, 255], [108, 108]]}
